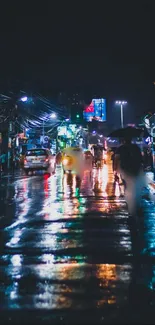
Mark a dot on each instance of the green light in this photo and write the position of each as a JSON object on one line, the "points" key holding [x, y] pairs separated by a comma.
{"points": [[77, 115]]}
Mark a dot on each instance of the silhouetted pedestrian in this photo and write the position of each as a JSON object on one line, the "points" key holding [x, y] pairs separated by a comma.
{"points": [[3, 159], [129, 164], [128, 159]]}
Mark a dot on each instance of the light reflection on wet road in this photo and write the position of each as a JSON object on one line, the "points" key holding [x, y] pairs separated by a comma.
{"points": [[66, 244]]}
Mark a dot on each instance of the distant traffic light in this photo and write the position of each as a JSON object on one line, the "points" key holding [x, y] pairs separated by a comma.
{"points": [[77, 115]]}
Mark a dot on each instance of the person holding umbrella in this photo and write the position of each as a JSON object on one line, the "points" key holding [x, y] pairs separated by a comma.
{"points": [[126, 149], [3, 161], [128, 158], [128, 163]]}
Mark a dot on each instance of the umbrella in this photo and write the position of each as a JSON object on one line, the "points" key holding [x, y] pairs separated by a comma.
{"points": [[129, 132], [98, 146]]}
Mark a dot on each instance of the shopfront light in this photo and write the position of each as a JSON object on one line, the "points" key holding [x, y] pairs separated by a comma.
{"points": [[65, 161]]}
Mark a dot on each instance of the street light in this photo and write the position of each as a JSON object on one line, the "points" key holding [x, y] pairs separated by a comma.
{"points": [[121, 103], [53, 115], [24, 99]]}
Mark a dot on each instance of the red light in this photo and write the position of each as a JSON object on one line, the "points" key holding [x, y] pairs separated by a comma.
{"points": [[47, 159], [46, 186], [24, 185], [90, 108], [25, 161]]}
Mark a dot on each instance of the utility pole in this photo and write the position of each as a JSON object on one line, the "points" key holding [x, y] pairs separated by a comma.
{"points": [[43, 130], [9, 144], [153, 149], [149, 122], [122, 122], [11, 132], [121, 103]]}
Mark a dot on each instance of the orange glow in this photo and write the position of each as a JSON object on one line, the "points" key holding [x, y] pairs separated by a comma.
{"points": [[65, 161], [107, 275], [117, 190], [100, 181]]}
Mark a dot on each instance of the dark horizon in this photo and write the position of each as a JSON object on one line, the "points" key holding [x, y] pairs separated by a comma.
{"points": [[108, 52]]}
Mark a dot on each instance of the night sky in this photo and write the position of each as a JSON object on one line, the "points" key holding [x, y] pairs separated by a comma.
{"points": [[106, 50]]}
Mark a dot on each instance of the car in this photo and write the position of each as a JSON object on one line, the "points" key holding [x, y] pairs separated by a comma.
{"points": [[39, 159], [73, 160]]}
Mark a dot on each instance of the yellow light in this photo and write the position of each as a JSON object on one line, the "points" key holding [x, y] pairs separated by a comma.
{"points": [[65, 161]]}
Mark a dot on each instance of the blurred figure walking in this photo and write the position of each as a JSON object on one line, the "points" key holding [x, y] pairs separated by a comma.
{"points": [[3, 160], [128, 163]]}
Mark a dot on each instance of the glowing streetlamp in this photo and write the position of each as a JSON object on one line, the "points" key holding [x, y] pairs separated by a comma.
{"points": [[121, 103], [24, 99], [53, 115]]}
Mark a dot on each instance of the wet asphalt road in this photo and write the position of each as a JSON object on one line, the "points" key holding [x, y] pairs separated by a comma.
{"points": [[67, 254]]}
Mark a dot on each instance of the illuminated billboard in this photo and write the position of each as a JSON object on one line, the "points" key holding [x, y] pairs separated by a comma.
{"points": [[95, 111]]}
